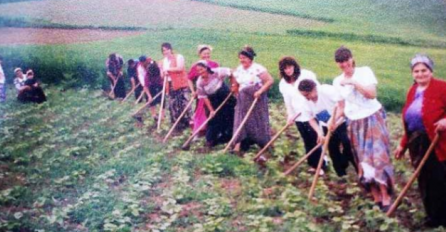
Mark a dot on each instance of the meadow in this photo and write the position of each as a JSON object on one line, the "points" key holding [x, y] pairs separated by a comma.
{"points": [[77, 163]]}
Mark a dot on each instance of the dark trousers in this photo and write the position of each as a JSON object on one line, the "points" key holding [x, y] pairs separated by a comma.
{"points": [[340, 150], [310, 141]]}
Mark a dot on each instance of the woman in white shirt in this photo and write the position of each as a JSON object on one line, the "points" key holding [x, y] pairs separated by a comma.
{"points": [[292, 75], [2, 82], [212, 90], [321, 101], [253, 81], [366, 127]]}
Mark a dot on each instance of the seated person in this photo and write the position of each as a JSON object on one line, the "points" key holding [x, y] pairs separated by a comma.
{"points": [[28, 89]]}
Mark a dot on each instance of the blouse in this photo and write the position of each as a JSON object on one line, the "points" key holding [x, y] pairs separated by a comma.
{"points": [[357, 106], [294, 101], [213, 82], [250, 76]]}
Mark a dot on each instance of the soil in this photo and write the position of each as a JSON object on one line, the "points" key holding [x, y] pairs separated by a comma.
{"points": [[17, 36]]}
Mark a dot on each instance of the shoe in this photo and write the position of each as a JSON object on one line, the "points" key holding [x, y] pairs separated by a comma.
{"points": [[379, 204], [321, 172], [385, 208]]}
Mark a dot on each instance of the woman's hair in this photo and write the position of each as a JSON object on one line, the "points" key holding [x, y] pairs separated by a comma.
{"points": [[306, 85], [248, 52], [205, 66], [166, 45], [29, 72], [203, 47], [343, 54], [289, 61], [112, 56]]}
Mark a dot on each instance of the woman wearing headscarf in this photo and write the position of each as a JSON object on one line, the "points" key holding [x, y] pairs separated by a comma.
{"points": [[204, 52], [173, 68], [253, 82], [424, 115], [367, 127], [114, 64], [292, 75], [212, 90]]}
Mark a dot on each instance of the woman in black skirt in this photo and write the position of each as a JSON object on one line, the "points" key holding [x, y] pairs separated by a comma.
{"points": [[212, 89]]}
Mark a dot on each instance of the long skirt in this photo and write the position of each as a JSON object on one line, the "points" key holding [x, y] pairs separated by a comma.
{"points": [[200, 115], [432, 178], [120, 88], [154, 90], [138, 92], [178, 100], [220, 127], [35, 94], [2, 92], [256, 129], [370, 144]]}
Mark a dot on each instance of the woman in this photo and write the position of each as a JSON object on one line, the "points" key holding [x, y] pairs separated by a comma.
{"points": [[253, 82], [204, 51], [2, 82], [292, 75], [114, 65], [173, 69], [132, 74], [35, 91], [424, 115], [367, 127], [212, 90]]}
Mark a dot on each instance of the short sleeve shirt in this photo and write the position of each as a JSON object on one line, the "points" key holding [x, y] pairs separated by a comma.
{"points": [[294, 101], [213, 82], [250, 76], [328, 97], [357, 106]]}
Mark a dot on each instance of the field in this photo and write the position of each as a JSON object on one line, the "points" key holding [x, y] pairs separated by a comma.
{"points": [[77, 163]]}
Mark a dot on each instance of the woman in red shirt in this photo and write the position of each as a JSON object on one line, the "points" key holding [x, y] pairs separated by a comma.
{"points": [[424, 115]]}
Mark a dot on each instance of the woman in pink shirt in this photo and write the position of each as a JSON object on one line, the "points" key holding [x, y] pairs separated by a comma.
{"points": [[204, 52]]}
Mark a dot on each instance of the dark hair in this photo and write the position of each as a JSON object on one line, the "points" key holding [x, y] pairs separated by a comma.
{"points": [[130, 62], [248, 52], [208, 69], [343, 54], [166, 45], [306, 85], [112, 56], [204, 49], [142, 58], [289, 61]]}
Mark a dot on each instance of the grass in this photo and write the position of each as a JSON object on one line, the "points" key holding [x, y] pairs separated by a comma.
{"points": [[155, 14], [61, 172], [69, 64], [406, 19], [76, 163]]}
